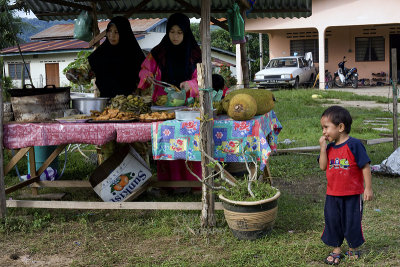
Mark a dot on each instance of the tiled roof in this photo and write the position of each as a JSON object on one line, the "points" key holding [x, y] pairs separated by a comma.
{"points": [[51, 46], [65, 31]]}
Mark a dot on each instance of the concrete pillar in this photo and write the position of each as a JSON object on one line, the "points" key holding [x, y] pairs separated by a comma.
{"points": [[239, 73], [321, 45]]}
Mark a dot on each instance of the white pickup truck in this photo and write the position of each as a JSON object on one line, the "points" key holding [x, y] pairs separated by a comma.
{"points": [[287, 71]]}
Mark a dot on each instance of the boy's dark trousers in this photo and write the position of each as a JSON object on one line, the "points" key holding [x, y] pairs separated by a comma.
{"points": [[343, 216]]}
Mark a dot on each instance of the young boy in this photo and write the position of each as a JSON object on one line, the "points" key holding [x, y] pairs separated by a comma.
{"points": [[349, 176]]}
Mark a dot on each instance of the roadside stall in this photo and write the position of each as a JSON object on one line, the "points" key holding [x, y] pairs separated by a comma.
{"points": [[263, 129]]}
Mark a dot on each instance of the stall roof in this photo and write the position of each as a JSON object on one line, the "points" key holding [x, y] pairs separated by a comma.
{"points": [[66, 31], [69, 9]]}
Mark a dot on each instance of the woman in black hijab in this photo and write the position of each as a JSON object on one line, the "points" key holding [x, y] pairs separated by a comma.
{"points": [[174, 59], [116, 63]]}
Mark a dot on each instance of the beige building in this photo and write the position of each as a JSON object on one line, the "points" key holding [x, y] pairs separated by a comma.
{"points": [[364, 31]]}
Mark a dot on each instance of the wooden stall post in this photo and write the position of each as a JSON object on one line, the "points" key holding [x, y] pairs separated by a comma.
{"points": [[2, 185], [243, 57], [395, 97], [95, 29], [207, 212]]}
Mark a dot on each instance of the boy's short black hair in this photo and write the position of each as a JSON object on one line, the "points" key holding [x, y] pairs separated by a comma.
{"points": [[338, 115], [218, 82]]}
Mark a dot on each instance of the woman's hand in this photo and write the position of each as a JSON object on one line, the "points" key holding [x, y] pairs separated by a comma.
{"points": [[150, 79], [185, 85]]}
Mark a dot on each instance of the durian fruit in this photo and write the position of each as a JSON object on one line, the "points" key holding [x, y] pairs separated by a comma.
{"points": [[242, 107], [264, 98]]}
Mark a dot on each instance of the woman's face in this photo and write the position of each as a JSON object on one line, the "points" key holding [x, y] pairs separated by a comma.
{"points": [[113, 35], [175, 35]]}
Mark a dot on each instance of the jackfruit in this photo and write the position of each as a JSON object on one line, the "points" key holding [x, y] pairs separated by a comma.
{"points": [[242, 107], [264, 98]]}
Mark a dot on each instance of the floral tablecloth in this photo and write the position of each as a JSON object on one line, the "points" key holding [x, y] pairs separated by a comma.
{"points": [[180, 139], [18, 135]]}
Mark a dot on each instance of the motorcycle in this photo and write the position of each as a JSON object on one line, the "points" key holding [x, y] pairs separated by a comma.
{"points": [[344, 76]]}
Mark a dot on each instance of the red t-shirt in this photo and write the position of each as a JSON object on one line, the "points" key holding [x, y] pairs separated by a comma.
{"points": [[344, 168]]}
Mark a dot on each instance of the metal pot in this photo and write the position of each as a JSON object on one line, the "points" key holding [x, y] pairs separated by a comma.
{"points": [[86, 104]]}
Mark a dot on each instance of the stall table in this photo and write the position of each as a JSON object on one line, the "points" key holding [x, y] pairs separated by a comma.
{"points": [[170, 140]]}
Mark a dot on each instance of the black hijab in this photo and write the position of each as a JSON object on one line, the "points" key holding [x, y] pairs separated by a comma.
{"points": [[177, 62], [117, 66]]}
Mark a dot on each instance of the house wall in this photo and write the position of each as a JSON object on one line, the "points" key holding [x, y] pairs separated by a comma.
{"points": [[37, 67], [151, 40], [226, 58], [341, 42]]}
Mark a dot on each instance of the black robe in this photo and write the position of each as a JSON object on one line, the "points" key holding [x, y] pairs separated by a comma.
{"points": [[117, 66]]}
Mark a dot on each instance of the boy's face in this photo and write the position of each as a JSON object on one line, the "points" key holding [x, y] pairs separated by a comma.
{"points": [[331, 131]]}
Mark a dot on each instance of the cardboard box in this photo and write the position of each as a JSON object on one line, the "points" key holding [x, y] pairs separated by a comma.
{"points": [[121, 176]]}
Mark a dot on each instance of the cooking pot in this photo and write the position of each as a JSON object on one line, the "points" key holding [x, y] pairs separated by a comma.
{"points": [[86, 104]]}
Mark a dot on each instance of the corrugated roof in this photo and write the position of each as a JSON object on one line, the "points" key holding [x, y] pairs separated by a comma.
{"points": [[66, 31], [38, 47], [46, 10]]}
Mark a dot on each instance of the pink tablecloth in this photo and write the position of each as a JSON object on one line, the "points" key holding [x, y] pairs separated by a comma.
{"points": [[18, 135]]}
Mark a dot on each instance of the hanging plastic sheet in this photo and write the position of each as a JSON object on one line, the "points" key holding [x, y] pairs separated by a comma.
{"points": [[236, 24], [83, 27]]}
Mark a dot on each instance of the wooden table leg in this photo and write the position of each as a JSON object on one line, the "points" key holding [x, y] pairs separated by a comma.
{"points": [[35, 175], [266, 176]]}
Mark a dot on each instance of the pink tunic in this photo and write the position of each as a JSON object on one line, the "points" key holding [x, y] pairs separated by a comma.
{"points": [[169, 170], [150, 68]]}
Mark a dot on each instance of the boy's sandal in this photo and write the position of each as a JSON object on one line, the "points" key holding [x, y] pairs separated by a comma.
{"points": [[336, 258], [353, 254]]}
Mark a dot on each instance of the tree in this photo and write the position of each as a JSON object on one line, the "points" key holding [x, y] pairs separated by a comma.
{"points": [[253, 52], [221, 39], [10, 26]]}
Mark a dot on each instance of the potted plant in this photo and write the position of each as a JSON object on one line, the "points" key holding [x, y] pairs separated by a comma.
{"points": [[250, 204]]}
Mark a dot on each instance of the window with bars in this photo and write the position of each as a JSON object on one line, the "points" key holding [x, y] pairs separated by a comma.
{"points": [[308, 45], [15, 70], [370, 48]]}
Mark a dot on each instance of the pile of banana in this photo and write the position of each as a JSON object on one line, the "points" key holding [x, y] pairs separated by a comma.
{"points": [[130, 103], [161, 100]]}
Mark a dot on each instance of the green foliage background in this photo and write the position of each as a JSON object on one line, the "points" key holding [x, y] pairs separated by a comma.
{"points": [[222, 40]]}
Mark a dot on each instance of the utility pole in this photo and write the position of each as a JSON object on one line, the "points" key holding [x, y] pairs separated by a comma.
{"points": [[261, 51]]}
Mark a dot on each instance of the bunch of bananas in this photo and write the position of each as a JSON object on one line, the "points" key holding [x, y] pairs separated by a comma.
{"points": [[161, 100], [130, 103]]}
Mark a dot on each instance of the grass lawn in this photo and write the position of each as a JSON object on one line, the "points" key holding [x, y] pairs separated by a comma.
{"points": [[40, 237]]}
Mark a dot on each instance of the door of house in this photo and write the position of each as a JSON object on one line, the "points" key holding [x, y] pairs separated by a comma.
{"points": [[395, 43], [52, 74]]}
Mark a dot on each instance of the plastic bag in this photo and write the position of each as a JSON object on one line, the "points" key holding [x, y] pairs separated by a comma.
{"points": [[175, 98], [83, 27], [236, 25]]}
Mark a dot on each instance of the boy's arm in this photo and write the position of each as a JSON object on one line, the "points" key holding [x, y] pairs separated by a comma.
{"points": [[323, 157], [368, 194]]}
